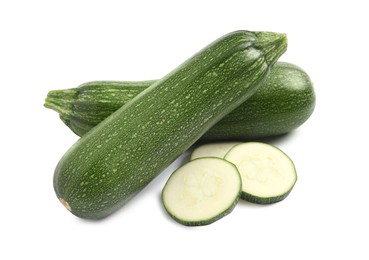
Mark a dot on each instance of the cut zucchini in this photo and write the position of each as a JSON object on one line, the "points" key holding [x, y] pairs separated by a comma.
{"points": [[212, 150], [268, 175], [202, 191]]}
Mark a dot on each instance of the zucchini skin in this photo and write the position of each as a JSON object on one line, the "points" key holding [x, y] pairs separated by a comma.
{"points": [[264, 201], [281, 104], [110, 164]]}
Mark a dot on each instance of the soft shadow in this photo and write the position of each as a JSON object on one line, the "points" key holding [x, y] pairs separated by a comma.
{"points": [[252, 205], [115, 214], [271, 140], [276, 139]]}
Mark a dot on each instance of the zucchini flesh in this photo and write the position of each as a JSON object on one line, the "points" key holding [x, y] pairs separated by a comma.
{"points": [[218, 150], [268, 175], [281, 104], [106, 167], [202, 191]]}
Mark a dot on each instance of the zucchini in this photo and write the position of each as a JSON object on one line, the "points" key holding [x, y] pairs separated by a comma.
{"points": [[202, 191], [283, 103], [218, 150], [268, 175], [279, 106], [84, 107], [110, 164]]}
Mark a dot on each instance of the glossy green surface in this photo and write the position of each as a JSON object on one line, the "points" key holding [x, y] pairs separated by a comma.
{"points": [[110, 164], [281, 104]]}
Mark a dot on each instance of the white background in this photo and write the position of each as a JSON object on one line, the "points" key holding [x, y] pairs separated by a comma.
{"points": [[48, 45]]}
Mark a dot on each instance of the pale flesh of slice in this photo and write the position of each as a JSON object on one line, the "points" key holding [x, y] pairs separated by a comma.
{"points": [[267, 174], [202, 191], [219, 150]]}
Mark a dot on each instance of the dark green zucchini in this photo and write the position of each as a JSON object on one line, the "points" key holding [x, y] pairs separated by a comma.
{"points": [[284, 102], [110, 164]]}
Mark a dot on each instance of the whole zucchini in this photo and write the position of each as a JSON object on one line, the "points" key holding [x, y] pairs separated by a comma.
{"points": [[116, 159], [284, 102]]}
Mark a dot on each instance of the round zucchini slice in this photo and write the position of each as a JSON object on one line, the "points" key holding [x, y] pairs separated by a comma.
{"points": [[202, 191], [268, 174]]}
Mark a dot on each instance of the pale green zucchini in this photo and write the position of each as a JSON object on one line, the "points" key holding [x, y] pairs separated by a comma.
{"points": [[110, 164]]}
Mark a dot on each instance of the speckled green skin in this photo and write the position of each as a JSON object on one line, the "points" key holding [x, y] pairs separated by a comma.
{"points": [[116, 159], [283, 103]]}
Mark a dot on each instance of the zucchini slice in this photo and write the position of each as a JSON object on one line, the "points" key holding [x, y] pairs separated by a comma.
{"points": [[268, 175], [212, 150], [202, 191]]}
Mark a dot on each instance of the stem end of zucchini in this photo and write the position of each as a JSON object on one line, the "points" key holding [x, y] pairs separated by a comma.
{"points": [[273, 45], [61, 101]]}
